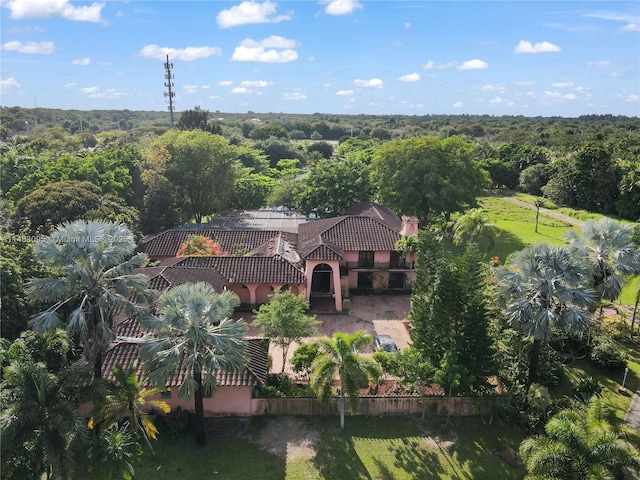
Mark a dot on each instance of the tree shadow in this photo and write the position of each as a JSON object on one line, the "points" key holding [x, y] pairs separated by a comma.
{"points": [[506, 243], [337, 458]]}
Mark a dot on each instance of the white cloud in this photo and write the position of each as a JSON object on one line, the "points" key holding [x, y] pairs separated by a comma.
{"points": [[410, 77], [8, 84], [406, 25], [254, 83], [190, 89], [186, 54], [569, 96], [70, 85], [30, 47], [525, 46], [494, 88], [431, 65], [250, 13], [372, 83], [25, 9], [632, 98], [344, 93], [601, 64], [273, 49], [294, 96], [96, 92], [525, 83], [562, 84], [474, 64], [225, 83], [457, 105], [631, 21], [81, 61], [496, 101], [240, 90], [341, 7]]}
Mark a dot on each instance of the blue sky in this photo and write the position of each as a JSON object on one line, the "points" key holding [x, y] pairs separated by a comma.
{"points": [[415, 57]]}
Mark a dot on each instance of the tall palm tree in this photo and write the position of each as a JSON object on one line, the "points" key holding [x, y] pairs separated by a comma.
{"points": [[194, 331], [339, 356], [543, 290], [580, 445], [612, 256], [96, 260], [129, 399], [38, 423]]}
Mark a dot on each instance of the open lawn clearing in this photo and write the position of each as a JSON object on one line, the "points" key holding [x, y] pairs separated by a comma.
{"points": [[297, 448], [517, 224]]}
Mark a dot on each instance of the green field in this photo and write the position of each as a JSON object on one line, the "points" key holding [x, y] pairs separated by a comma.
{"points": [[299, 448], [517, 230]]}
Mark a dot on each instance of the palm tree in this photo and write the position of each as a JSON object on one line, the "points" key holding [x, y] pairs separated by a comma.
{"points": [[96, 260], [580, 445], [194, 331], [538, 203], [474, 226], [129, 399], [612, 256], [38, 422], [543, 291], [112, 454], [339, 356]]}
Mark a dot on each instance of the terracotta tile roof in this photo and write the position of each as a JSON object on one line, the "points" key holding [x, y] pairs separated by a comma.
{"points": [[346, 233], [125, 351], [238, 242], [274, 269], [377, 211]]}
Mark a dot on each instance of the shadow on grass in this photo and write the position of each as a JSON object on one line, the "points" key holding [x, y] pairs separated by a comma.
{"points": [[506, 244], [337, 458]]}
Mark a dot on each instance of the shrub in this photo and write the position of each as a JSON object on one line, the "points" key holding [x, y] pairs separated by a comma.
{"points": [[586, 387], [177, 421], [607, 355]]}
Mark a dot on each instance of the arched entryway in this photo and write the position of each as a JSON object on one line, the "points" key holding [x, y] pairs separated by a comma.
{"points": [[321, 280]]}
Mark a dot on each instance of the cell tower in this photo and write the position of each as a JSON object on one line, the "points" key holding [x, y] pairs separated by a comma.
{"points": [[169, 84]]}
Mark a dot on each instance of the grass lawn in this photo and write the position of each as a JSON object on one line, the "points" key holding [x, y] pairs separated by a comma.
{"points": [[517, 226], [618, 402], [298, 448]]}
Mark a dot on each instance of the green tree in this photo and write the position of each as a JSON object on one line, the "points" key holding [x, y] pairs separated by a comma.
{"points": [[450, 311], [38, 422], [580, 445], [200, 167], [339, 356], [128, 399], [18, 263], [425, 176], [333, 185], [97, 261], [196, 118], [194, 330], [449, 375], [284, 320], [66, 201], [543, 290]]}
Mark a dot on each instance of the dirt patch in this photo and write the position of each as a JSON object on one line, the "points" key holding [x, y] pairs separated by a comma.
{"points": [[289, 438]]}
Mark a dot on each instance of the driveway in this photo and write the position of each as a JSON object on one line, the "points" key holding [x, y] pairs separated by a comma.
{"points": [[375, 314]]}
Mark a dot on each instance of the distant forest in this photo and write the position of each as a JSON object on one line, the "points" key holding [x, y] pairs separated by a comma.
{"points": [[552, 132]]}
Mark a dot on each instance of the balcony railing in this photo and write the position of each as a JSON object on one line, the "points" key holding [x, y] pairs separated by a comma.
{"points": [[400, 265]]}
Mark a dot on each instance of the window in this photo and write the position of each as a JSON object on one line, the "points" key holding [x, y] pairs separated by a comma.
{"points": [[166, 395], [396, 280], [365, 259], [396, 260], [365, 280]]}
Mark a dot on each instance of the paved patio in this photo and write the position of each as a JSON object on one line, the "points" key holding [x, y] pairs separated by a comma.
{"points": [[375, 314]]}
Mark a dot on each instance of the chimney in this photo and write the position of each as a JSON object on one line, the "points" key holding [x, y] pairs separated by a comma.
{"points": [[409, 226]]}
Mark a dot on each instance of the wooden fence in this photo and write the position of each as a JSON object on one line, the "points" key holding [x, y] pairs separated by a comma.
{"points": [[381, 405]]}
